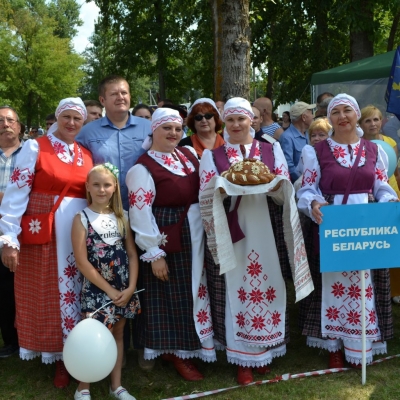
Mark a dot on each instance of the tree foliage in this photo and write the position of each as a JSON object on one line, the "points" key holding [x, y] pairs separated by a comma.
{"points": [[175, 42], [38, 67]]}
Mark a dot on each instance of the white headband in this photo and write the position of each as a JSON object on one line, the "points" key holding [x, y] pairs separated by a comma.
{"points": [[238, 106], [72, 103], [161, 116], [345, 99], [164, 115], [204, 100]]}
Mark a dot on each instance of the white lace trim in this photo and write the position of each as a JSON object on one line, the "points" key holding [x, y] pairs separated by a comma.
{"points": [[255, 364], [9, 241], [47, 358], [153, 255], [183, 354], [29, 356], [357, 360], [325, 344]]}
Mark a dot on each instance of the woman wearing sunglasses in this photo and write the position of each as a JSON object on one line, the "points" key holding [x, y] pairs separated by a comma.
{"points": [[205, 122]]}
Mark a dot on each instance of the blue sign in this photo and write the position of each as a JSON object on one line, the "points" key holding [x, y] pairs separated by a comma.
{"points": [[360, 236]]}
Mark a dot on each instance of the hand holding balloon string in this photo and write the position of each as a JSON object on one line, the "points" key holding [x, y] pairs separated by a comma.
{"points": [[112, 301]]}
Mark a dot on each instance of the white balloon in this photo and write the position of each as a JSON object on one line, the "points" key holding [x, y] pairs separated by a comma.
{"points": [[90, 351]]}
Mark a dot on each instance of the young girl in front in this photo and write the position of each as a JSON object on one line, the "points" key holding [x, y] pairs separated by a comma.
{"points": [[106, 255]]}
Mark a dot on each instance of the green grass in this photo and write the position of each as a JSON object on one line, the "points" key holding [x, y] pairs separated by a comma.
{"points": [[20, 380]]}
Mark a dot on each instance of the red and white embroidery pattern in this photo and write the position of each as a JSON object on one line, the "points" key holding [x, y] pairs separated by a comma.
{"points": [[69, 284], [381, 175], [169, 162], [342, 154], [341, 307], [205, 177], [259, 320], [22, 177], [309, 177], [282, 170], [34, 226], [65, 152], [141, 198]]}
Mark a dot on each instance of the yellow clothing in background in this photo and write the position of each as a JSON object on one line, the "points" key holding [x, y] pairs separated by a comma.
{"points": [[394, 272]]}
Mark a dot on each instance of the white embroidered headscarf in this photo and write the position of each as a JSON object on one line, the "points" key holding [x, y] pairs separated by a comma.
{"points": [[345, 99], [70, 103], [238, 106], [161, 116], [204, 100]]}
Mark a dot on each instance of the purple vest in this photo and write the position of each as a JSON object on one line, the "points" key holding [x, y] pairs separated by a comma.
{"points": [[334, 177]]}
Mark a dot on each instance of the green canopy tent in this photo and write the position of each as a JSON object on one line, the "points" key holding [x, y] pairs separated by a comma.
{"points": [[366, 80]]}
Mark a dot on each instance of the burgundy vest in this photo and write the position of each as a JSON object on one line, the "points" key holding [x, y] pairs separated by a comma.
{"points": [[173, 190], [334, 177]]}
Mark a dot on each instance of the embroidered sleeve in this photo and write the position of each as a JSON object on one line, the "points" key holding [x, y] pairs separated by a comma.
{"points": [[141, 194], [16, 195], [281, 167], [207, 171], [309, 190], [382, 190]]}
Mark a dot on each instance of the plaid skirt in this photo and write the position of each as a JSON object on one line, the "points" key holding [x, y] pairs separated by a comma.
{"points": [[166, 321], [310, 307], [216, 282], [37, 297]]}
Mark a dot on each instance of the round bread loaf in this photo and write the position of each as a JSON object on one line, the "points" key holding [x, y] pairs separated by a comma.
{"points": [[248, 172]]}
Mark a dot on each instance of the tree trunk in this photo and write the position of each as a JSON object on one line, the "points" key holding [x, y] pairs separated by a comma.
{"points": [[270, 82], [393, 30], [161, 62], [361, 39], [231, 48]]}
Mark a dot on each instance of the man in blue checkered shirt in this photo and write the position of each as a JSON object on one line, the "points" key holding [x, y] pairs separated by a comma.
{"points": [[10, 146]]}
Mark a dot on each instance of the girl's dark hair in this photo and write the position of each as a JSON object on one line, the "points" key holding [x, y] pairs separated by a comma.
{"points": [[287, 113], [140, 106]]}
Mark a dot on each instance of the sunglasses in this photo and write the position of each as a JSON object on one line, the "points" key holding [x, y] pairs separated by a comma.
{"points": [[199, 117]]}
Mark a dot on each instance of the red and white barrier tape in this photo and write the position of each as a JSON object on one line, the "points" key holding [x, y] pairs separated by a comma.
{"points": [[284, 377]]}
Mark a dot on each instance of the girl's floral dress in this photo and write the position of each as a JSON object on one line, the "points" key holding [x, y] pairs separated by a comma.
{"points": [[111, 262]]}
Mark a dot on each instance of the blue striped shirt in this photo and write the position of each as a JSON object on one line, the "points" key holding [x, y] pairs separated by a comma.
{"points": [[7, 165]]}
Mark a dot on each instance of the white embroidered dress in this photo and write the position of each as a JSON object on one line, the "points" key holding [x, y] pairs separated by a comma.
{"points": [[255, 290], [142, 192], [13, 207], [341, 291]]}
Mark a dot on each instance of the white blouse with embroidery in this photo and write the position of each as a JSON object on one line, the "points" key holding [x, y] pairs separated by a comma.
{"points": [[142, 192], [310, 191], [16, 196], [208, 169]]}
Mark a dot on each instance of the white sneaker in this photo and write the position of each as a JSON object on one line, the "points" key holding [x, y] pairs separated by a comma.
{"points": [[82, 395], [396, 299], [121, 393]]}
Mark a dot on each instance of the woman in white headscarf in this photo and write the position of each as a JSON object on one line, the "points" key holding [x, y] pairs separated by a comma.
{"points": [[248, 301], [47, 282], [164, 213], [331, 319]]}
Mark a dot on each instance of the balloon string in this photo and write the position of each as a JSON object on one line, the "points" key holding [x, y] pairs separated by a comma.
{"points": [[105, 305]]}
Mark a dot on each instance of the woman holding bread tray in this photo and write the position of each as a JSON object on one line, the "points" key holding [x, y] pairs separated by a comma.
{"points": [[245, 196]]}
